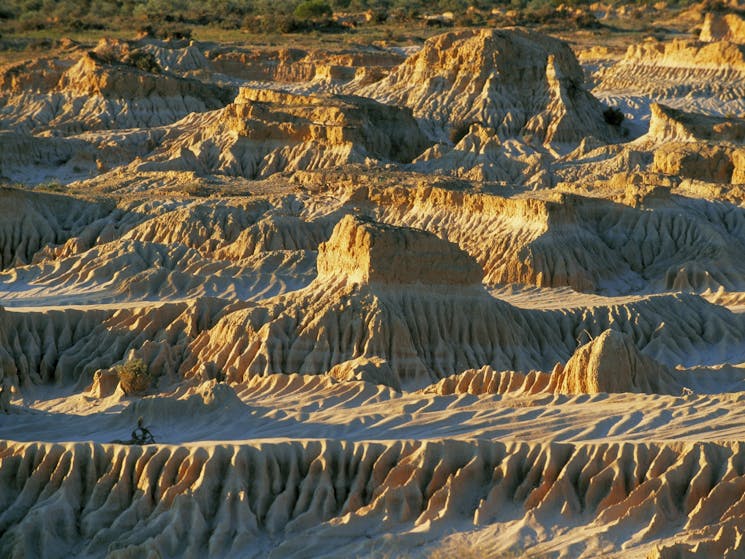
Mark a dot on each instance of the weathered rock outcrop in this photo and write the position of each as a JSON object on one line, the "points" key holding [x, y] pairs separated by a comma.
{"points": [[294, 65], [481, 156], [701, 77], [723, 27], [366, 347], [175, 56], [488, 381], [609, 363], [264, 132], [97, 93], [132, 270], [364, 251], [680, 53], [30, 221], [373, 370], [203, 226], [612, 363], [515, 82], [693, 145], [66, 347], [711, 163], [38, 75], [571, 240], [738, 173], [424, 328], [667, 124], [279, 232]]}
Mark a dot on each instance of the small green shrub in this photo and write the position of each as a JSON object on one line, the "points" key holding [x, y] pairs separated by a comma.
{"points": [[313, 9], [134, 376], [276, 23], [176, 33], [144, 61], [288, 24]]}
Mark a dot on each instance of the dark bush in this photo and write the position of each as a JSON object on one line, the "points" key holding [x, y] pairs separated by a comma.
{"points": [[403, 15], [175, 32], [313, 9], [459, 131], [84, 24], [380, 16], [586, 20], [613, 116], [438, 22], [146, 31], [31, 24], [470, 19], [288, 24], [144, 61], [231, 21], [165, 32]]}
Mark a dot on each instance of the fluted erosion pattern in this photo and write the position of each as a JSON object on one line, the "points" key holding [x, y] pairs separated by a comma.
{"points": [[67, 346], [612, 363], [394, 293], [723, 27], [670, 124], [390, 301], [369, 252], [96, 500], [415, 300], [29, 221], [99, 94], [139, 106], [706, 77], [516, 82], [264, 132]]}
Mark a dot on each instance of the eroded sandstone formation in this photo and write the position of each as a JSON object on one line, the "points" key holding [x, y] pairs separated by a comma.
{"points": [[723, 27], [364, 251], [264, 132], [513, 82], [370, 277], [234, 499], [612, 363]]}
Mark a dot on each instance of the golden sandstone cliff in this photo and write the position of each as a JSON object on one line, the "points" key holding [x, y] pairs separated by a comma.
{"points": [[264, 132], [513, 82], [723, 27], [363, 251]]}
